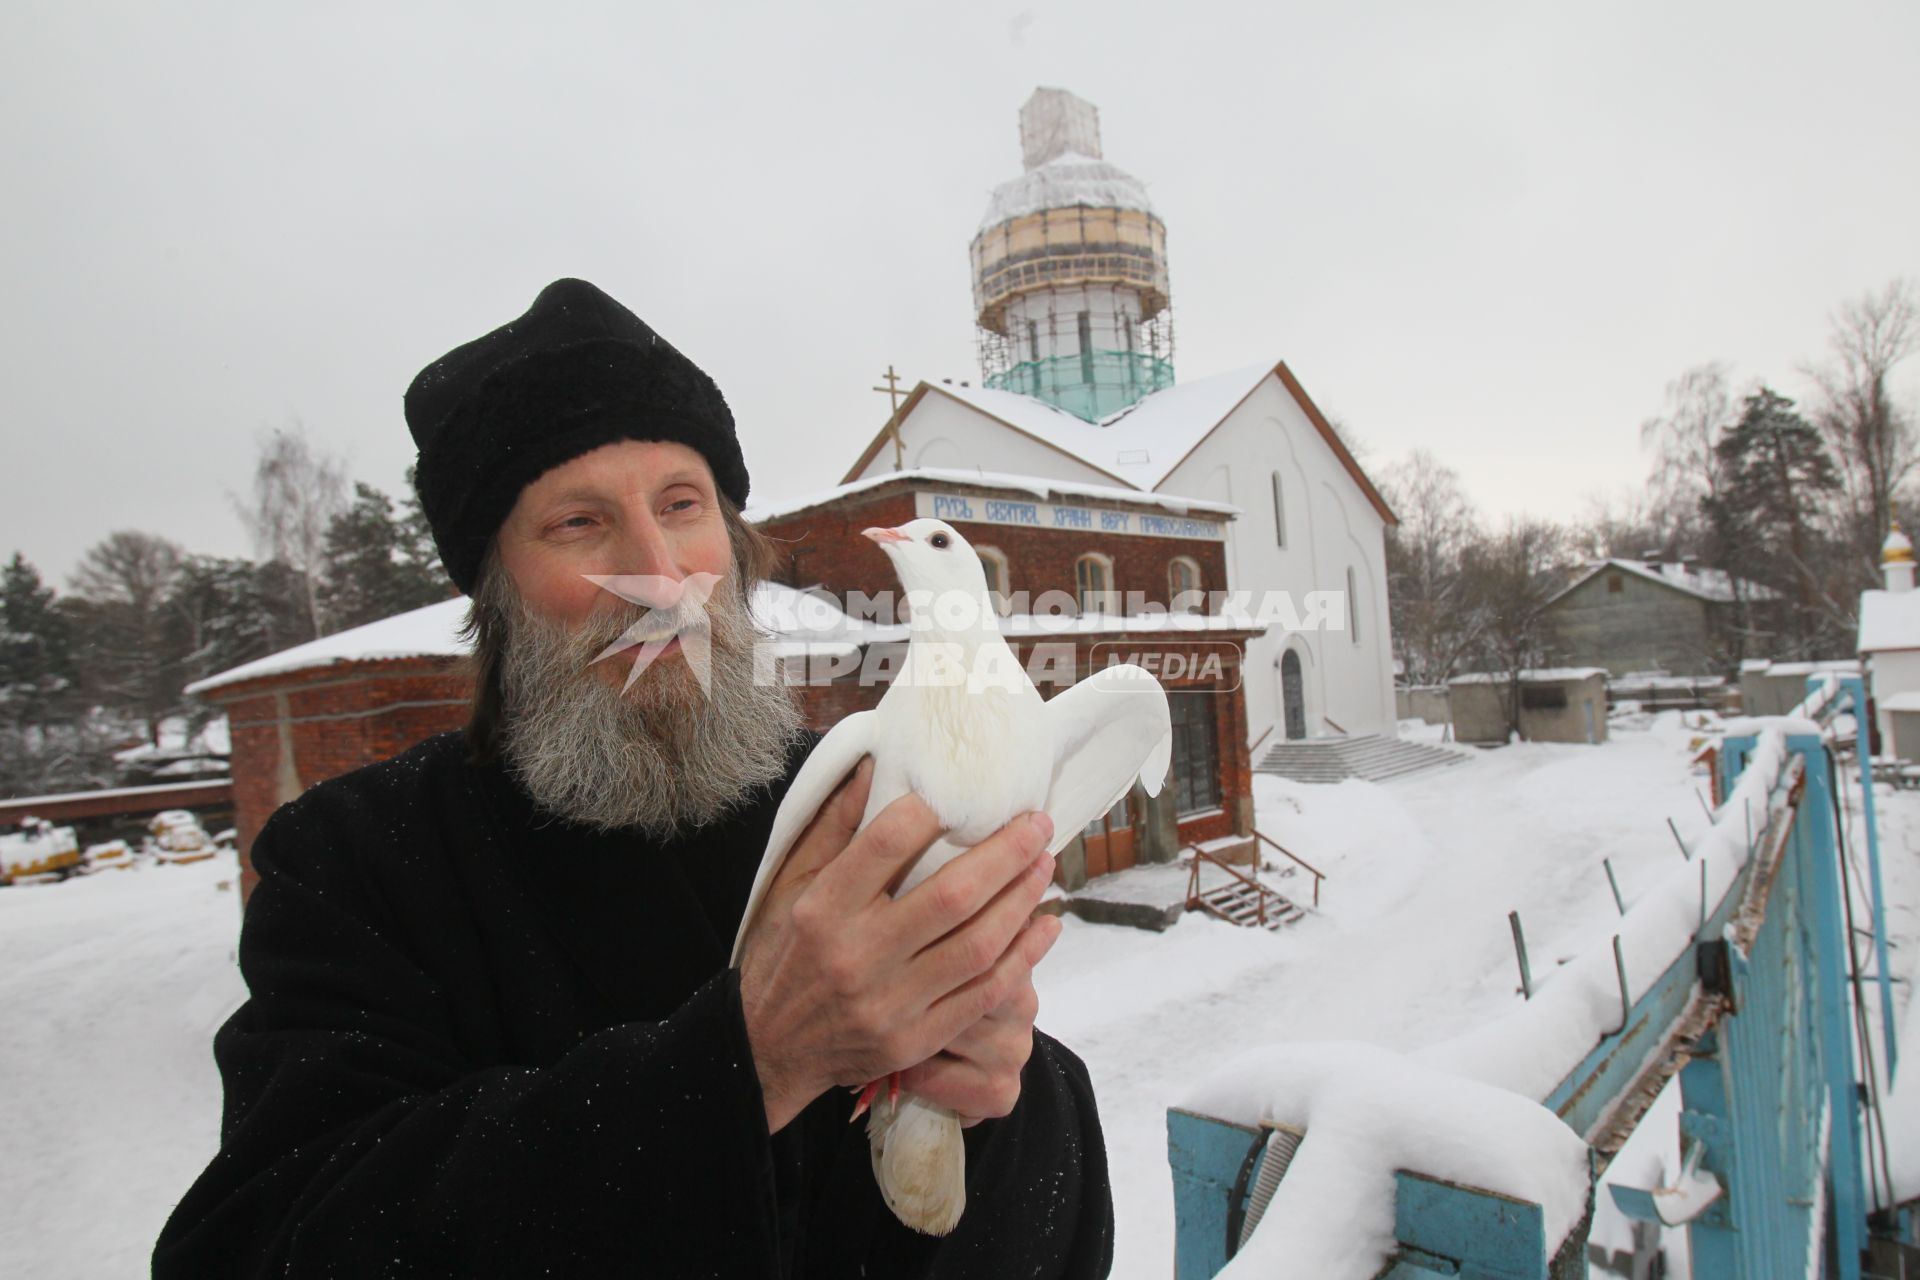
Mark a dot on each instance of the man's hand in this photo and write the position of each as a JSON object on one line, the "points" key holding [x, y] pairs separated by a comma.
{"points": [[978, 1075], [841, 984]]}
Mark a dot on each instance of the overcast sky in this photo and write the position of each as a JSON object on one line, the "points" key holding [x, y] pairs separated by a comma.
{"points": [[1493, 230]]}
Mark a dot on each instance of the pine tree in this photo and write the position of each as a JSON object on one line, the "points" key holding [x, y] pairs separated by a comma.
{"points": [[226, 612], [37, 677], [375, 563], [1779, 478], [417, 548]]}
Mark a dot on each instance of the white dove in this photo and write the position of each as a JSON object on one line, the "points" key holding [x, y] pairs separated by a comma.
{"points": [[963, 727]]}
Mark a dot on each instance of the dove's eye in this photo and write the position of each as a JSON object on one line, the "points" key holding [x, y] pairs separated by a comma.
{"points": [[939, 540]]}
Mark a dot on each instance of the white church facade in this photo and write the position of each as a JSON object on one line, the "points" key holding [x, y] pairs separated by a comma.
{"points": [[1310, 520], [1073, 310]]}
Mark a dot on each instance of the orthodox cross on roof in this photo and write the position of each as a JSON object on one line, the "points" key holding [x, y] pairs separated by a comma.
{"points": [[893, 394]]}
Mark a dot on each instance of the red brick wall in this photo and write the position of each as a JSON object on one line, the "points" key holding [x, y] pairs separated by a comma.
{"points": [[336, 719], [824, 546]]}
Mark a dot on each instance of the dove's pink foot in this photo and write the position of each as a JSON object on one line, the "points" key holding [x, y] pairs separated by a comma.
{"points": [[870, 1090]]}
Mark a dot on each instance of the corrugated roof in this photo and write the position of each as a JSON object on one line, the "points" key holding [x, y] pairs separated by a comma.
{"points": [[431, 631]]}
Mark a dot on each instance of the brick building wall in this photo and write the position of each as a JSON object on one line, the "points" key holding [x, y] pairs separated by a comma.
{"points": [[293, 730], [822, 546]]}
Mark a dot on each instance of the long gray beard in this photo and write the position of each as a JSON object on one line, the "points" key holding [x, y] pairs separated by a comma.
{"points": [[665, 755]]}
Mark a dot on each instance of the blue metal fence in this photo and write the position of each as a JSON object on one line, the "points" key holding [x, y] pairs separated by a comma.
{"points": [[1756, 1017]]}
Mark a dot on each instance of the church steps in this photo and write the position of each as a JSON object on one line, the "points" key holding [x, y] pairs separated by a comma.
{"points": [[1371, 757]]}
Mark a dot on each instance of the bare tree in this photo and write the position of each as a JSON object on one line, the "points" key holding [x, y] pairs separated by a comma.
{"points": [[1511, 577], [297, 492], [1687, 471], [1432, 630], [1624, 525], [1870, 436], [123, 584]]}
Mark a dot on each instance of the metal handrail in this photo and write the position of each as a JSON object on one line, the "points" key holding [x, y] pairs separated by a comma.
{"points": [[1193, 884], [1255, 744], [1318, 875]]}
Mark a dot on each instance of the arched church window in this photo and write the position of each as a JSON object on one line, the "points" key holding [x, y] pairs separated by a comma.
{"points": [[999, 576], [1185, 591], [1279, 514], [1353, 607], [1093, 583]]}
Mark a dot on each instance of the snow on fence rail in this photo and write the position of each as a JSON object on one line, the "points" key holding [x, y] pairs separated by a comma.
{"points": [[1478, 1156]]}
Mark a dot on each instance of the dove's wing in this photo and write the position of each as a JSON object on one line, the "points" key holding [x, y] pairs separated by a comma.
{"points": [[1107, 730], [831, 760]]}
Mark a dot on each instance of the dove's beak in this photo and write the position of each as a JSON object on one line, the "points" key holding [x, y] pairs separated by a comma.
{"points": [[884, 536]]}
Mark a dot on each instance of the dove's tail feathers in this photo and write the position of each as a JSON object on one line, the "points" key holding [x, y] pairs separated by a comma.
{"points": [[1153, 770], [920, 1162]]}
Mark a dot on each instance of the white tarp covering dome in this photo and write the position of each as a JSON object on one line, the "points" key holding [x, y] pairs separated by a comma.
{"points": [[1062, 183], [1060, 149]]}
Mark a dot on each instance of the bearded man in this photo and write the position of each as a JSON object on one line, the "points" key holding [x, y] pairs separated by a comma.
{"points": [[491, 1026]]}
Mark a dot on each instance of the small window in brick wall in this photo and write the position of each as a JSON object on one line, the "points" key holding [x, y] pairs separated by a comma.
{"points": [[999, 575], [1093, 583], [1196, 763], [1547, 697], [1185, 594]]}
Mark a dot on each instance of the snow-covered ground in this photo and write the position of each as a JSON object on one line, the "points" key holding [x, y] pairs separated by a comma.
{"points": [[113, 985], [110, 990], [1411, 944]]}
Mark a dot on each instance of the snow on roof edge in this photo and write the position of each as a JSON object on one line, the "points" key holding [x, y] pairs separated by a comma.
{"points": [[430, 631], [1535, 676], [1039, 486]]}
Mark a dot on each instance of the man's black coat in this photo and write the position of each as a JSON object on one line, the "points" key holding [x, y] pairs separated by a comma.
{"points": [[481, 1042]]}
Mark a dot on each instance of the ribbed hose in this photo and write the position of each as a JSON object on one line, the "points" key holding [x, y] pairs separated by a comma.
{"points": [[1250, 1203]]}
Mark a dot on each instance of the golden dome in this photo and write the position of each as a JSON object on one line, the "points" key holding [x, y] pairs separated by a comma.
{"points": [[1898, 548]]}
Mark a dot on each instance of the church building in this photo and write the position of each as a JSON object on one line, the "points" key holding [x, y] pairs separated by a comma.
{"points": [[1074, 316]]}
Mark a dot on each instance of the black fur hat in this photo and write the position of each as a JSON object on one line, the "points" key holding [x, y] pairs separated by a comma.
{"points": [[577, 371]]}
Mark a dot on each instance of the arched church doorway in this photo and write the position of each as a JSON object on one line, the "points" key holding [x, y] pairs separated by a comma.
{"points": [[1293, 696]]}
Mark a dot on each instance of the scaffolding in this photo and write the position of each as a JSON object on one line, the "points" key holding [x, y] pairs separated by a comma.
{"points": [[1070, 282]]}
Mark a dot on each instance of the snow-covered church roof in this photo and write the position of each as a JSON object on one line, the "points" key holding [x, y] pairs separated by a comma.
{"points": [[1140, 445], [1144, 443]]}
